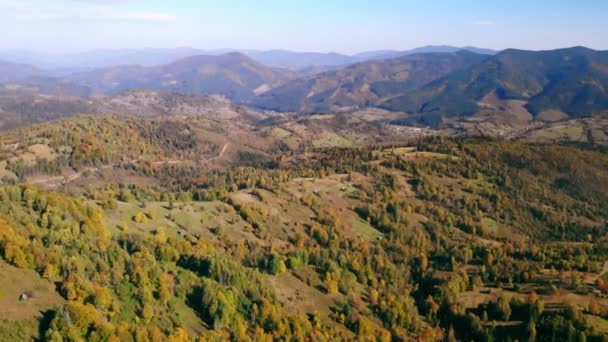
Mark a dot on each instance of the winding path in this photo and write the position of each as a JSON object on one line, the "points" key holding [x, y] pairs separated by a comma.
{"points": [[221, 153], [202, 161]]}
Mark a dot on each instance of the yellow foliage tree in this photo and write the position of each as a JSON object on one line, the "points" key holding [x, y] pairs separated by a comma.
{"points": [[140, 218], [331, 283]]}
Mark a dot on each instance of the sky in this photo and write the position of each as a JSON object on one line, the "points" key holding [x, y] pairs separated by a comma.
{"points": [[345, 26]]}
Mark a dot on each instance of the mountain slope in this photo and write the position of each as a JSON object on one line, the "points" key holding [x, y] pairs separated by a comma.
{"points": [[331, 244], [11, 72], [23, 108], [233, 75], [573, 81], [364, 84]]}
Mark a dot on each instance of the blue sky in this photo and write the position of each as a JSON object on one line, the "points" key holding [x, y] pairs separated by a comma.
{"points": [[304, 25]]}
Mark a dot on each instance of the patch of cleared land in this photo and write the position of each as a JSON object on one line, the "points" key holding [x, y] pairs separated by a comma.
{"points": [[593, 130], [197, 218], [13, 283], [19, 317], [552, 115], [330, 139]]}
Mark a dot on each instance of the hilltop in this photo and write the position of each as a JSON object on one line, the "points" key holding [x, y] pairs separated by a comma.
{"points": [[233, 75]]}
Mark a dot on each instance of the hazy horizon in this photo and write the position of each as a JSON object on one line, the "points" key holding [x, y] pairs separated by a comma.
{"points": [[346, 27], [229, 50]]}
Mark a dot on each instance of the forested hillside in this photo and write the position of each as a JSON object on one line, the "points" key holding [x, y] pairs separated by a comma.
{"points": [[233, 75], [301, 171], [570, 81], [364, 84], [438, 239]]}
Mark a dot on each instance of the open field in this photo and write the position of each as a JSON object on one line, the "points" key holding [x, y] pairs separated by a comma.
{"points": [[13, 283], [19, 317]]}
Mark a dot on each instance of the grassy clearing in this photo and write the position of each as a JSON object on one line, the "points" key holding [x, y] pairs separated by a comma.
{"points": [[4, 172], [19, 319], [412, 153], [125, 212], [429, 155], [300, 297], [398, 151], [198, 218], [19, 331], [489, 225], [42, 151], [600, 136], [336, 193], [14, 282], [586, 131], [31, 153], [329, 139], [598, 324], [280, 133], [567, 132], [552, 115], [191, 322], [364, 230]]}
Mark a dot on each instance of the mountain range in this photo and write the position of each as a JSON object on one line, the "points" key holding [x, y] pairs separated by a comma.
{"points": [[435, 87], [431, 88], [386, 54], [233, 75], [11, 72], [568, 82], [103, 58], [364, 84]]}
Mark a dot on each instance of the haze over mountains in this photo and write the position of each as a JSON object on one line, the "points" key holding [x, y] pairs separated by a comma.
{"points": [[103, 58], [233, 74], [430, 85], [10, 72]]}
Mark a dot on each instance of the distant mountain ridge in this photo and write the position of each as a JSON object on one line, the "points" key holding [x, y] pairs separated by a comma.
{"points": [[432, 88], [572, 81], [297, 60], [364, 84], [11, 72], [103, 58], [234, 75], [387, 54]]}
